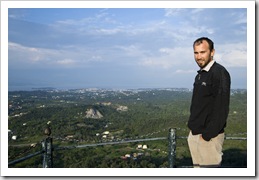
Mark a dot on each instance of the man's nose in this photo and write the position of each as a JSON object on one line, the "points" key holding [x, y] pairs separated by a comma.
{"points": [[198, 56]]}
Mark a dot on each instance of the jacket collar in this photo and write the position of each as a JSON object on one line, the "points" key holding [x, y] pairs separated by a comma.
{"points": [[207, 68]]}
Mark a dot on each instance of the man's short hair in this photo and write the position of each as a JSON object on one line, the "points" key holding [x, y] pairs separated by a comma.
{"points": [[200, 40]]}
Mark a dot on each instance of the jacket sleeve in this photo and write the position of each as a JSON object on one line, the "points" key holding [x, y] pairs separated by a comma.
{"points": [[220, 107]]}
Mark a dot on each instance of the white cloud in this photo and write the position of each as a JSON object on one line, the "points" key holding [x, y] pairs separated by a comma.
{"points": [[132, 50], [16, 13], [166, 50], [181, 71], [197, 10], [180, 11], [189, 29], [173, 11], [229, 55], [108, 31], [232, 55], [239, 18], [101, 23], [20, 55], [96, 58], [159, 63], [169, 58], [66, 62]]}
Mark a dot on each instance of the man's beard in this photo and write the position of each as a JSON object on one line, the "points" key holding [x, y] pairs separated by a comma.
{"points": [[201, 65]]}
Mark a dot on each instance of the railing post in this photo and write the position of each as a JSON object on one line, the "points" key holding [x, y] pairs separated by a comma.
{"points": [[47, 150], [172, 147]]}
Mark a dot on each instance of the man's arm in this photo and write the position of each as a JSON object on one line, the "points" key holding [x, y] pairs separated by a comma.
{"points": [[220, 109]]}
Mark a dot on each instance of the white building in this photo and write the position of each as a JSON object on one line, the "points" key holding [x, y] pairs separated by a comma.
{"points": [[139, 146], [106, 132], [144, 147], [14, 137]]}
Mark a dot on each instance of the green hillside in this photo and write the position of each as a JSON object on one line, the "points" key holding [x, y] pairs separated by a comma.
{"points": [[88, 116]]}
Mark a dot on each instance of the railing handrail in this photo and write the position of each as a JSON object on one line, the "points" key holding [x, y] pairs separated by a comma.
{"points": [[227, 138], [48, 143], [24, 158], [110, 143]]}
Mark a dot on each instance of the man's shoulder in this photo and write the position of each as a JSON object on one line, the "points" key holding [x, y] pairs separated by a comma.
{"points": [[218, 67], [219, 70]]}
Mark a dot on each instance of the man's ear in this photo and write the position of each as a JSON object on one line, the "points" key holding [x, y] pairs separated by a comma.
{"points": [[212, 53]]}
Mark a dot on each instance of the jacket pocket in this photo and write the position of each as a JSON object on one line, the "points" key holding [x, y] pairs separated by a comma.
{"points": [[203, 88]]}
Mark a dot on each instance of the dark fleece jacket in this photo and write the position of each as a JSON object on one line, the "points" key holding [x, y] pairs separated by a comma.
{"points": [[210, 102]]}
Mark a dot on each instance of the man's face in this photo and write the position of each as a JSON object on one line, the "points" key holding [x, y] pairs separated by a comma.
{"points": [[202, 54]]}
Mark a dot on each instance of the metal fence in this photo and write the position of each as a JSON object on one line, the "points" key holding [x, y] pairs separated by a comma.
{"points": [[47, 148]]}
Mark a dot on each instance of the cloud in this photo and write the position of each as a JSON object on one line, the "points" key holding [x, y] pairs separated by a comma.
{"points": [[229, 55], [108, 31], [169, 58], [112, 41], [181, 71], [173, 11], [232, 55], [19, 53], [196, 11], [239, 17], [158, 63], [101, 22], [169, 12], [16, 13], [22, 56], [66, 62], [133, 50]]}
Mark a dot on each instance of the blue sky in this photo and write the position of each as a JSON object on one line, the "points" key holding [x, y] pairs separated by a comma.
{"points": [[120, 47]]}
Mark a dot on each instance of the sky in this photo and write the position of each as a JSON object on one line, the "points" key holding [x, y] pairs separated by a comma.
{"points": [[121, 47]]}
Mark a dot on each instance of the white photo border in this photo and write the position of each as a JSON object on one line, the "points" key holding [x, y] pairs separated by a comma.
{"points": [[249, 171]]}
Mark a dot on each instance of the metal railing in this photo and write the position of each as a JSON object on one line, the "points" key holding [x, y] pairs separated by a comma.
{"points": [[47, 148]]}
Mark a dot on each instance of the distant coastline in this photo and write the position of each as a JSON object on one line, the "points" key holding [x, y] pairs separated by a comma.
{"points": [[110, 89]]}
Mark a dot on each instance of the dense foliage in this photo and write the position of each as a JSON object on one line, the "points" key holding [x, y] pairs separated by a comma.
{"points": [[149, 113]]}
